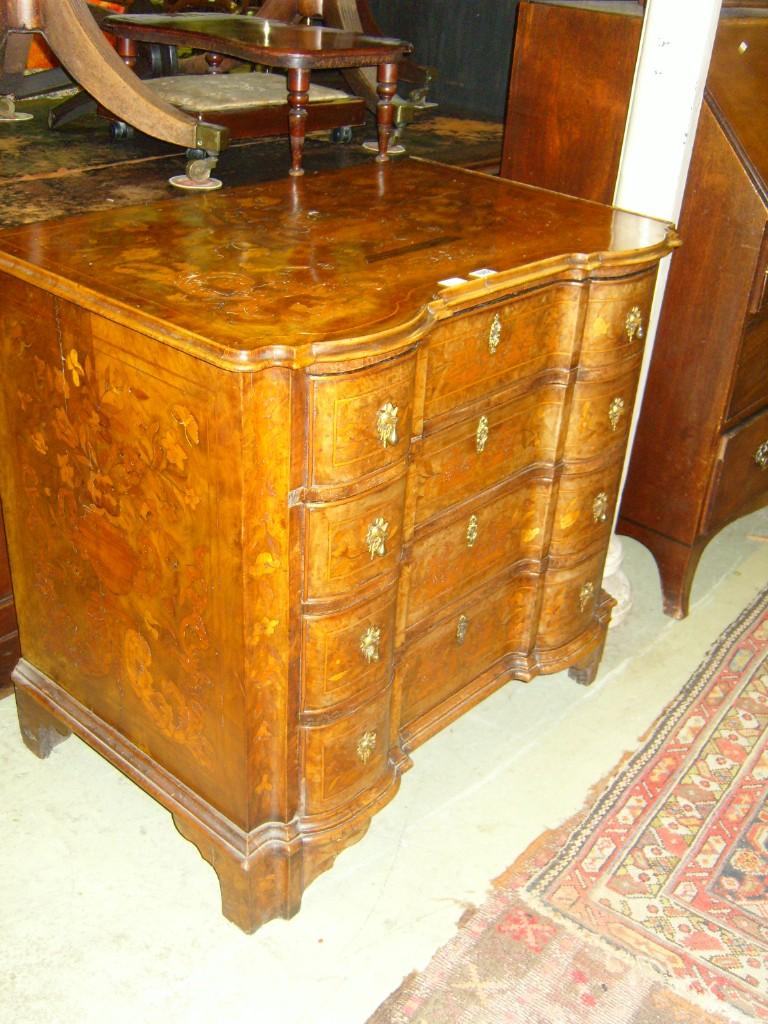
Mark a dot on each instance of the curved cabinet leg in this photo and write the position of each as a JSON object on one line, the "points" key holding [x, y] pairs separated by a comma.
{"points": [[39, 729], [584, 672], [676, 562]]}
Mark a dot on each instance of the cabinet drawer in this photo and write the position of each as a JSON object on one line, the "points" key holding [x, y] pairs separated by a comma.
{"points": [[352, 541], [348, 653], [568, 605], [465, 645], [750, 387], [462, 553], [617, 320], [460, 461], [600, 416], [475, 355], [742, 480], [345, 757], [361, 421], [586, 503]]}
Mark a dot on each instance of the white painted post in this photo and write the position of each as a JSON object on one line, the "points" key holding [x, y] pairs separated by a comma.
{"points": [[672, 64]]}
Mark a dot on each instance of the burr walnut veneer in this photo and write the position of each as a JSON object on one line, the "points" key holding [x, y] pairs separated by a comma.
{"points": [[281, 504]]}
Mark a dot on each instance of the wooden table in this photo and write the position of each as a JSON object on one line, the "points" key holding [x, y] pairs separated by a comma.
{"points": [[298, 49]]}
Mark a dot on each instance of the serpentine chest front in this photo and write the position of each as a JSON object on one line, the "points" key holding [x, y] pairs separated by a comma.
{"points": [[296, 475]]}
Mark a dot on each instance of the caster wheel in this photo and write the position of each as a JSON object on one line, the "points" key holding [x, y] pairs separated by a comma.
{"points": [[342, 136], [119, 131]]}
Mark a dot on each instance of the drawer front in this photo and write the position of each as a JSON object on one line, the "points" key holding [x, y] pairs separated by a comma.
{"points": [[459, 462], [361, 421], [750, 388], [600, 416], [478, 354], [439, 664], [742, 482], [568, 605], [351, 542], [348, 653], [617, 320], [586, 504], [345, 757], [484, 540]]}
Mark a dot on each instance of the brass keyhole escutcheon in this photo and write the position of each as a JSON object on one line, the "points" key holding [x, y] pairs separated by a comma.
{"points": [[386, 424], [615, 410], [761, 456], [633, 325], [366, 746], [461, 629], [586, 594], [494, 334], [481, 434], [600, 507], [473, 528], [376, 537], [369, 644]]}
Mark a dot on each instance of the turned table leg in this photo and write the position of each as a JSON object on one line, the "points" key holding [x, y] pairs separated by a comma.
{"points": [[298, 97], [39, 729], [385, 111]]}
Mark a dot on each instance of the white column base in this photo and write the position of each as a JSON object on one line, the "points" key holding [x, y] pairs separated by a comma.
{"points": [[616, 582]]}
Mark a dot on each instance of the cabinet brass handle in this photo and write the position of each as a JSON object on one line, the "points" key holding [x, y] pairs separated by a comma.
{"points": [[481, 434], [369, 643], [633, 325], [586, 594], [761, 455], [615, 409], [386, 424], [366, 746], [461, 629], [494, 335], [376, 537], [473, 528], [600, 507]]}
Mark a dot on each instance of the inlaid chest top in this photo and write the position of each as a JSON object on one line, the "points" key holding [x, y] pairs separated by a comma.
{"points": [[268, 272]]}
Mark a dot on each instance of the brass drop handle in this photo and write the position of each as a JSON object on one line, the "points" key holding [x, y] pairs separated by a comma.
{"points": [[600, 507], [461, 629], [481, 434], [376, 537], [386, 424], [369, 643], [633, 325], [615, 410], [586, 594], [761, 455], [473, 529], [366, 746], [494, 334]]}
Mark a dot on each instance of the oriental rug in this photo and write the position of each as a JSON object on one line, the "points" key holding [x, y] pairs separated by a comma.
{"points": [[651, 906]]}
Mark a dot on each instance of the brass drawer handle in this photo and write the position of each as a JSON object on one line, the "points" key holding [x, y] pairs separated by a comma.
{"points": [[494, 335], [376, 537], [586, 594], [369, 643], [366, 746], [600, 507], [461, 629], [473, 528], [761, 455], [615, 410], [481, 434], [633, 325], [386, 424]]}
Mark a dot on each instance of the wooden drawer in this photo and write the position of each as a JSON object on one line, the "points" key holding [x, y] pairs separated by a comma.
{"points": [[750, 387], [354, 540], [460, 554], [345, 757], [568, 605], [472, 356], [465, 645], [360, 422], [460, 461], [348, 653], [586, 504], [741, 479], [617, 320], [600, 416]]}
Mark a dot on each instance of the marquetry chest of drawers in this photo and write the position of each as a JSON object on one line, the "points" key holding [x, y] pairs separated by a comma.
{"points": [[296, 475]]}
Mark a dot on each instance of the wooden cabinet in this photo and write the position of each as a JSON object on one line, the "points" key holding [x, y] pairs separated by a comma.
{"points": [[285, 500]]}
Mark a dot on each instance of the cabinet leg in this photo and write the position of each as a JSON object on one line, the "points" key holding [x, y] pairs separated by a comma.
{"points": [[39, 729], [386, 87], [298, 98], [584, 672], [253, 890]]}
